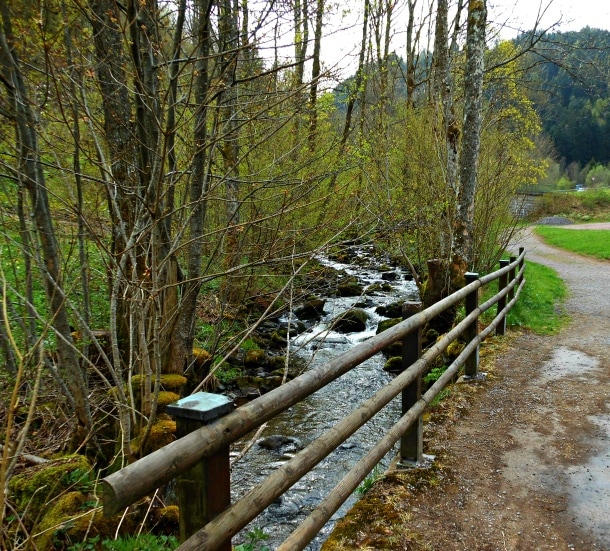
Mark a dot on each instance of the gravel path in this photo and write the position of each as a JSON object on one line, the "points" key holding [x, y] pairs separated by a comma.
{"points": [[527, 465], [530, 461]]}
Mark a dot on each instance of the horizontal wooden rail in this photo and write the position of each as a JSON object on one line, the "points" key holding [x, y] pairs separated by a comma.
{"points": [[133, 482], [142, 477], [232, 520], [309, 528]]}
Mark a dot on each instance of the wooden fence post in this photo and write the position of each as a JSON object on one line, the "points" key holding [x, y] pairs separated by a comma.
{"points": [[511, 276], [411, 442], [522, 262], [471, 367], [203, 491], [502, 281]]}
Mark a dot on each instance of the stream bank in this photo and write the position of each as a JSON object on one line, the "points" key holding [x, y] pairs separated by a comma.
{"points": [[369, 291]]}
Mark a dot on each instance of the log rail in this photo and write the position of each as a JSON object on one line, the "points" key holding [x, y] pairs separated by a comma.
{"points": [[135, 481]]}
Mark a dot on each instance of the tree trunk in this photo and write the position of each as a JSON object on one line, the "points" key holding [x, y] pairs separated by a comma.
{"points": [[442, 91], [315, 76], [33, 180], [410, 53], [184, 334], [471, 139], [229, 49]]}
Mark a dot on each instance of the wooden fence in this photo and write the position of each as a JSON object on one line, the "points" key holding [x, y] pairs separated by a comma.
{"points": [[199, 458]]}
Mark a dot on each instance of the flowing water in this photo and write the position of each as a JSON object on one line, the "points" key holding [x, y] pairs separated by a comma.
{"points": [[307, 420]]}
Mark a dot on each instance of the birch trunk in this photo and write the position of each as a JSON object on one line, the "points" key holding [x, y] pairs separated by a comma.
{"points": [[471, 138]]}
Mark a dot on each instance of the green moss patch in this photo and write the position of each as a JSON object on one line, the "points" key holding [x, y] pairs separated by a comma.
{"points": [[169, 382], [38, 486], [161, 434]]}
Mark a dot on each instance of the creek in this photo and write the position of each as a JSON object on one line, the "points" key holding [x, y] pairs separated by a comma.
{"points": [[304, 422]]}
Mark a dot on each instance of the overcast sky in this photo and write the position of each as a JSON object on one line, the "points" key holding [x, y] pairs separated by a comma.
{"points": [[508, 17], [573, 14]]}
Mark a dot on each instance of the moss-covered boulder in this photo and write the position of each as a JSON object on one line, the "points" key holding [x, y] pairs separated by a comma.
{"points": [[37, 486], [164, 399], [279, 338], [312, 308], [161, 434], [351, 321], [73, 517], [394, 349], [169, 381], [393, 365], [454, 350], [349, 288], [393, 310], [165, 520], [254, 358]]}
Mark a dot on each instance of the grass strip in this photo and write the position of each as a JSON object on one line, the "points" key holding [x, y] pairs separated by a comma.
{"points": [[539, 307], [595, 243]]}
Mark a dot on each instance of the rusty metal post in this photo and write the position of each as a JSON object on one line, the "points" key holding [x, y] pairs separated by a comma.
{"points": [[203, 491], [511, 276], [471, 367], [502, 281], [411, 442]]}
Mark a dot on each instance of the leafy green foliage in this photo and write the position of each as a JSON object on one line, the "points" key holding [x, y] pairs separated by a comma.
{"points": [[375, 475], [434, 374], [588, 205], [143, 542], [79, 480], [253, 541], [227, 373]]}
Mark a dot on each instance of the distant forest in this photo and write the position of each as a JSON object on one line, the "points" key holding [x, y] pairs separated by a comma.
{"points": [[565, 76], [569, 87]]}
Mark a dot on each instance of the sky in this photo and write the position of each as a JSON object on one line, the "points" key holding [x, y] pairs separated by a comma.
{"points": [[508, 17], [572, 15]]}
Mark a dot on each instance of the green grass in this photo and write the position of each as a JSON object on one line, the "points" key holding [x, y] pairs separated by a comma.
{"points": [[539, 307], [594, 243]]}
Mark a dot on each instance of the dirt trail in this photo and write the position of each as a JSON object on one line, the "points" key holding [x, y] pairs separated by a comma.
{"points": [[529, 462]]}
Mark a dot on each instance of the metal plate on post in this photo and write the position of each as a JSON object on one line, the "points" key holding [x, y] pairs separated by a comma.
{"points": [[201, 406]]}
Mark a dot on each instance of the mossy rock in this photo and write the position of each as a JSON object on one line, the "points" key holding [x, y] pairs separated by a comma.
{"points": [[454, 350], [393, 310], [386, 324], [202, 357], [312, 308], [67, 521], [349, 289], [253, 358], [430, 337], [169, 381], [248, 381], [166, 520], [394, 349], [269, 383], [279, 338], [393, 365], [351, 321], [373, 288], [164, 399], [161, 434], [39, 485], [277, 362], [57, 519]]}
